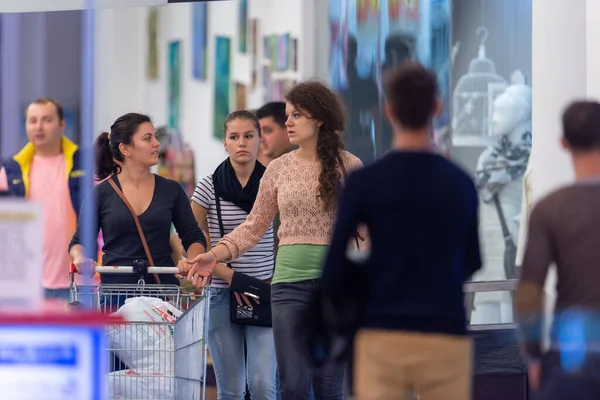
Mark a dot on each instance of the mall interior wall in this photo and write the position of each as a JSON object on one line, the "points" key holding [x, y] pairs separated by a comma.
{"points": [[41, 57], [122, 84]]}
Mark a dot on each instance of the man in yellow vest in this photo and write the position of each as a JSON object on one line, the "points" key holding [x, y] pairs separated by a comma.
{"points": [[47, 170]]}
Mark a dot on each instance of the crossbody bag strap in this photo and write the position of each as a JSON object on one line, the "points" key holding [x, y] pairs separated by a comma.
{"points": [[137, 224], [503, 224], [219, 219], [357, 236]]}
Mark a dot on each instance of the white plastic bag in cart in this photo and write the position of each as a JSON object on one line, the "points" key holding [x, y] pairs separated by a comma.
{"points": [[145, 343], [129, 384]]}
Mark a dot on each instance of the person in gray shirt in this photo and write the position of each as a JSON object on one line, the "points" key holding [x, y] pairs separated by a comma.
{"points": [[564, 230]]}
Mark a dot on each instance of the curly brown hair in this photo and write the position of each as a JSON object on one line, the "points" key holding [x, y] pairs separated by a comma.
{"points": [[322, 104]]}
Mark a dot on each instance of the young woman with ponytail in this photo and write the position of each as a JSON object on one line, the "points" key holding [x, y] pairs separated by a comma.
{"points": [[303, 186], [125, 156]]}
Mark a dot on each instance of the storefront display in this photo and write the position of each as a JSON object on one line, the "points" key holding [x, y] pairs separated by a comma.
{"points": [[526, 205], [471, 98], [499, 178], [491, 132], [367, 39]]}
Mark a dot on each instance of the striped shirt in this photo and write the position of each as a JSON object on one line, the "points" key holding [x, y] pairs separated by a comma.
{"points": [[259, 261]]}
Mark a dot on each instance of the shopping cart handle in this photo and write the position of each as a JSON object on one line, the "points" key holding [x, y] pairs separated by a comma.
{"points": [[128, 270]]}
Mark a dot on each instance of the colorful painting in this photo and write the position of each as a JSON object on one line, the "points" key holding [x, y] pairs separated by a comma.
{"points": [[243, 26], [174, 84], [283, 53], [267, 83], [369, 38], [181, 168], [222, 84], [267, 47], [152, 63], [240, 97], [294, 55], [199, 40], [254, 47]]}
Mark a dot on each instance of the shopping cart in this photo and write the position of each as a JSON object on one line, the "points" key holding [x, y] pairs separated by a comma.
{"points": [[184, 356]]}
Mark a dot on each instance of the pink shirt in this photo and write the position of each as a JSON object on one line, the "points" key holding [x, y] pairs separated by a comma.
{"points": [[49, 187]]}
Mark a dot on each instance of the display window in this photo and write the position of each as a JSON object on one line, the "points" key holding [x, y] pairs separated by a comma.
{"points": [[481, 53]]}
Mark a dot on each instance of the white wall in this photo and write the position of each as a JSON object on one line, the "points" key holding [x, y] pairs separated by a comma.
{"points": [[121, 50]]}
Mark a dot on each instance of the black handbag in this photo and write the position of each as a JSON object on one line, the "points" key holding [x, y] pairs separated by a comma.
{"points": [[258, 314]]}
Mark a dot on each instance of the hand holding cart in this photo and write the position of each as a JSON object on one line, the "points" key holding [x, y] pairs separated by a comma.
{"points": [[186, 354]]}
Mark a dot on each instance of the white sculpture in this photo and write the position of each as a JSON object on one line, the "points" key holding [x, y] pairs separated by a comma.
{"points": [[499, 174], [526, 206]]}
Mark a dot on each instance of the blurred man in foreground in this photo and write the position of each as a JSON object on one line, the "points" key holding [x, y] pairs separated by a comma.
{"points": [[421, 212], [564, 229]]}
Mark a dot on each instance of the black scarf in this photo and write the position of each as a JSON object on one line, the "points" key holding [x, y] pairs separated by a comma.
{"points": [[506, 162], [228, 187]]}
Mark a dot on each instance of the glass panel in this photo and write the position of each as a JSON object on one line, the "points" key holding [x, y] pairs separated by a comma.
{"points": [[481, 52], [494, 304], [491, 131], [368, 38]]}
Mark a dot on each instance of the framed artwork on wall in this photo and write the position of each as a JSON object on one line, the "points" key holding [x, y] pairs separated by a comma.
{"points": [[243, 26], [222, 84], [199, 40], [152, 64], [174, 84], [240, 96], [254, 44]]}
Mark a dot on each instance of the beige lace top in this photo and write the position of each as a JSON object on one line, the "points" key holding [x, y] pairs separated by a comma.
{"points": [[290, 185]]}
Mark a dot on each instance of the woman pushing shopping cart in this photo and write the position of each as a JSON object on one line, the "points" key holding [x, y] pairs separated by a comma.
{"points": [[135, 210], [160, 353]]}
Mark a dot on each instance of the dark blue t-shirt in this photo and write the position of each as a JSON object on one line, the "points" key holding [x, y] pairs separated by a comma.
{"points": [[421, 211]]}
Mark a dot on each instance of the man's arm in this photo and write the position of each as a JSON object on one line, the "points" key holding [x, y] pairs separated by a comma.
{"points": [[539, 255]]}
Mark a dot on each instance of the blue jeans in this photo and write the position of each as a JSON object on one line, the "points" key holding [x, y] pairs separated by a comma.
{"points": [[61, 294], [226, 343], [290, 303]]}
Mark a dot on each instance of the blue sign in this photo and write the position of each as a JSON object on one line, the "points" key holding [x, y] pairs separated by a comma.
{"points": [[45, 362]]}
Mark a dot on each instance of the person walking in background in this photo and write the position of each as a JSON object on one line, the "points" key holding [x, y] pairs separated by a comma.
{"points": [[303, 185], [125, 156], [421, 212], [47, 170], [564, 229], [274, 140], [236, 180]]}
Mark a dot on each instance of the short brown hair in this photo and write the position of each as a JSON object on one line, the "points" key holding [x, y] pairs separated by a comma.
{"points": [[411, 90], [45, 100], [581, 125]]}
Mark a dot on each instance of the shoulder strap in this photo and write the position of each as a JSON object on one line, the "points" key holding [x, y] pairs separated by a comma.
{"points": [[503, 224], [219, 219], [137, 224]]}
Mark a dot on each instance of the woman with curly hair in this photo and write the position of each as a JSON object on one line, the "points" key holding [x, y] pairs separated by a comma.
{"points": [[303, 186]]}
